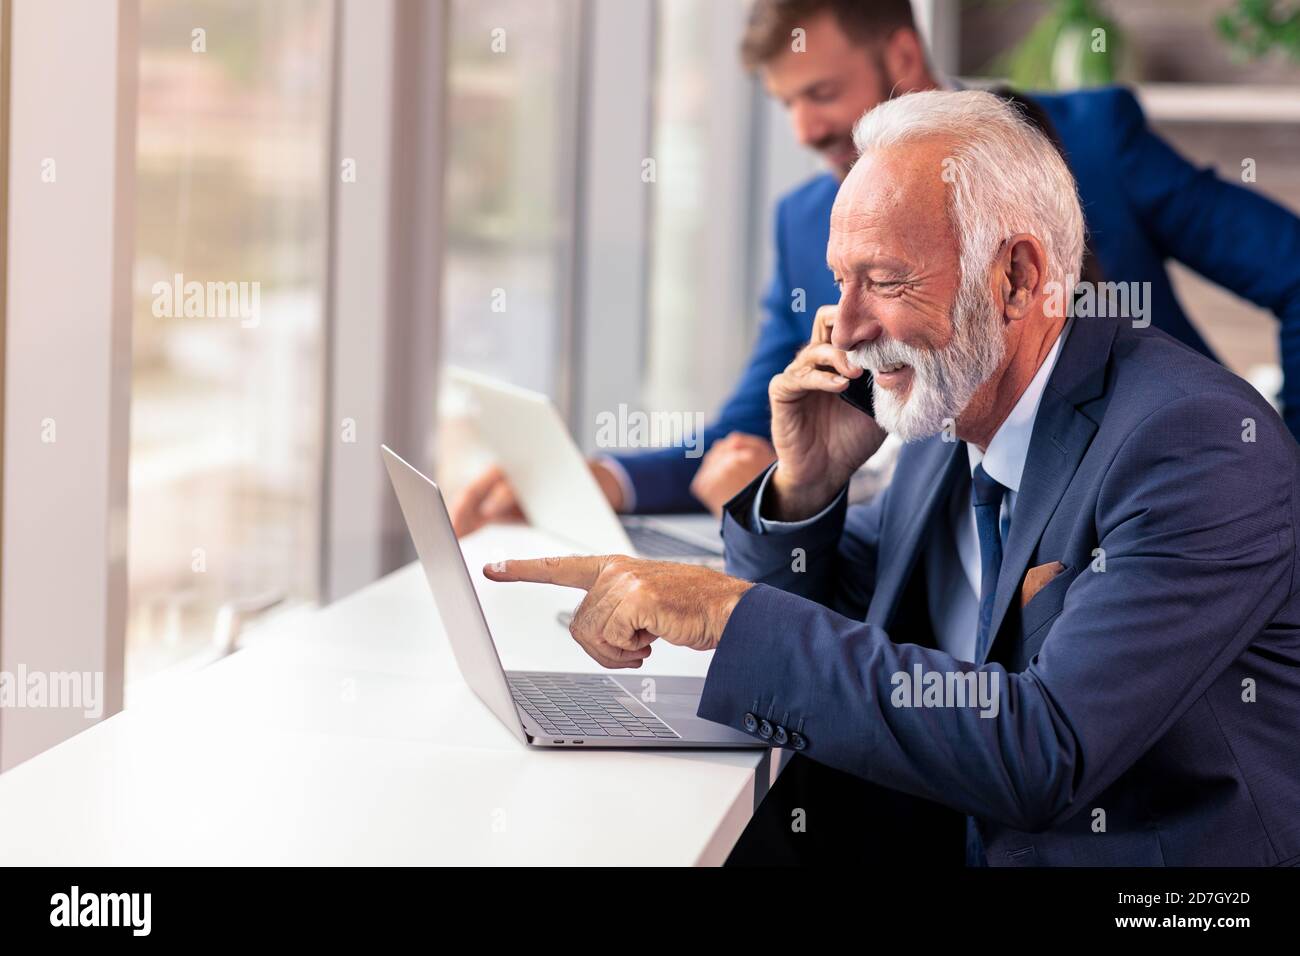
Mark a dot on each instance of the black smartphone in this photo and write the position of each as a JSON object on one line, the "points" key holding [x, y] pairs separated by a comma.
{"points": [[858, 394]]}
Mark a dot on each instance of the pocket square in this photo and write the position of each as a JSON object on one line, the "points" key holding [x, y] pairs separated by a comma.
{"points": [[1038, 578]]}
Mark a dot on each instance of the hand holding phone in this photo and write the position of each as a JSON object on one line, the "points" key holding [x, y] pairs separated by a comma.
{"points": [[859, 392]]}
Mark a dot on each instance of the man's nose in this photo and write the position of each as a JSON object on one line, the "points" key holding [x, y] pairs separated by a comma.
{"points": [[808, 127], [854, 328]]}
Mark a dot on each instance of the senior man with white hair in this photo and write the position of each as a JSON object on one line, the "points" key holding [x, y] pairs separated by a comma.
{"points": [[1072, 618]]}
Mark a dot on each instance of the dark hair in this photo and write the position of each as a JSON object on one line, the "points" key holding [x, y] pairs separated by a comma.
{"points": [[771, 23]]}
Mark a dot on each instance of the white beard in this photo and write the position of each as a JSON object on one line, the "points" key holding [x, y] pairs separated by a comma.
{"points": [[943, 380]]}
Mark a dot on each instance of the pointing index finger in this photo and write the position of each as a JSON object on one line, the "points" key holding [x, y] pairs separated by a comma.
{"points": [[573, 571]]}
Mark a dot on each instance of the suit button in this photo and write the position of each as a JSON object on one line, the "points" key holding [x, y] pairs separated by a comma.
{"points": [[765, 730], [779, 736], [751, 723], [798, 741]]}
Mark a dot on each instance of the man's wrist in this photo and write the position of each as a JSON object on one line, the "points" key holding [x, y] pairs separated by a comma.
{"points": [[613, 481], [789, 501]]}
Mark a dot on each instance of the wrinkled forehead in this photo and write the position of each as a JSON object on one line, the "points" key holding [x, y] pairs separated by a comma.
{"points": [[897, 197]]}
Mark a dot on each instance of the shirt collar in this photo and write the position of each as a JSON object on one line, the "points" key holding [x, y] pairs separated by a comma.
{"points": [[1004, 459]]}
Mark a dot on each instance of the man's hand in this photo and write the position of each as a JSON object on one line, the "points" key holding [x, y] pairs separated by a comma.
{"points": [[486, 499], [820, 439], [731, 464], [630, 602], [489, 498]]}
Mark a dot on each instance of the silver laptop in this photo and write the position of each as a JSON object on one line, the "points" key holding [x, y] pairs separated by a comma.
{"points": [[555, 488], [540, 708]]}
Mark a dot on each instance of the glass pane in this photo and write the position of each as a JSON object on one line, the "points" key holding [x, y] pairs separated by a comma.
{"points": [[226, 416], [511, 107], [679, 252]]}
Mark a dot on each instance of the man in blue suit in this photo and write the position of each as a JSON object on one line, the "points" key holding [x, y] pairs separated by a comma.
{"points": [[1073, 617], [1143, 203]]}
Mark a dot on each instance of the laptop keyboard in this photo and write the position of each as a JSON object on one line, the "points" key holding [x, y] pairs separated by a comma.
{"points": [[578, 705], [655, 543]]}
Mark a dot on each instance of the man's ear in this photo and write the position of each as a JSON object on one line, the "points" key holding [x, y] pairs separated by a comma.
{"points": [[906, 68], [1020, 270]]}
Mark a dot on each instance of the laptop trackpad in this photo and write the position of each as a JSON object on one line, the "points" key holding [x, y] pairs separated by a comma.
{"points": [[667, 706]]}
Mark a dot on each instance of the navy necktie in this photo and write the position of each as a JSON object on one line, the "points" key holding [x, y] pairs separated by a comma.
{"points": [[986, 500]]}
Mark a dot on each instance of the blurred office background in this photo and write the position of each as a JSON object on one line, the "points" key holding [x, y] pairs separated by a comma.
{"points": [[416, 184]]}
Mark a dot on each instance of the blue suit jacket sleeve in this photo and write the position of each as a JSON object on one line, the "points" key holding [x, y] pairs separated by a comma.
{"points": [[1226, 232], [808, 561], [1192, 575], [662, 478]]}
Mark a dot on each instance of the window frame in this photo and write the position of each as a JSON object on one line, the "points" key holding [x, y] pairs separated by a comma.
{"points": [[63, 584], [383, 311]]}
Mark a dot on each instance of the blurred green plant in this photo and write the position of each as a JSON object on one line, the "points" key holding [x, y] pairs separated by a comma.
{"points": [[1256, 28], [1073, 45]]}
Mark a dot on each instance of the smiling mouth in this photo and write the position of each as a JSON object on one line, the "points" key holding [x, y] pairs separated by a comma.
{"points": [[896, 376]]}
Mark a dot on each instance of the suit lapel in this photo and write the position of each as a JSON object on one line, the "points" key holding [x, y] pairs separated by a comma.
{"points": [[1061, 436], [925, 489]]}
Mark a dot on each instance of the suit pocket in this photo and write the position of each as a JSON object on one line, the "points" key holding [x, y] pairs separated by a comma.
{"points": [[1041, 610]]}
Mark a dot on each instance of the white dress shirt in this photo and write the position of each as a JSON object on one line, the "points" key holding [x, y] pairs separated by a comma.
{"points": [[952, 553]]}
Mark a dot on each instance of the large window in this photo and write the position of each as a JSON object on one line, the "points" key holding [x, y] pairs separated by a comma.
{"points": [[680, 260], [705, 217], [511, 144], [225, 457]]}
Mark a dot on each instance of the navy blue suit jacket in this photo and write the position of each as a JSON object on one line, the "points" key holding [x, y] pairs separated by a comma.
{"points": [[1149, 694], [1143, 204]]}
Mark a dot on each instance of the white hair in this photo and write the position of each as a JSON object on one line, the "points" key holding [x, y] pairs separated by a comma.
{"points": [[1005, 175]]}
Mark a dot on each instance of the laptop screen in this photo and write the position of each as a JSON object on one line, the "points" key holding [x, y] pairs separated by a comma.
{"points": [[453, 590]]}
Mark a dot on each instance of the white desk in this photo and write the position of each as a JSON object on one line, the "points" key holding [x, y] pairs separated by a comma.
{"points": [[352, 740]]}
